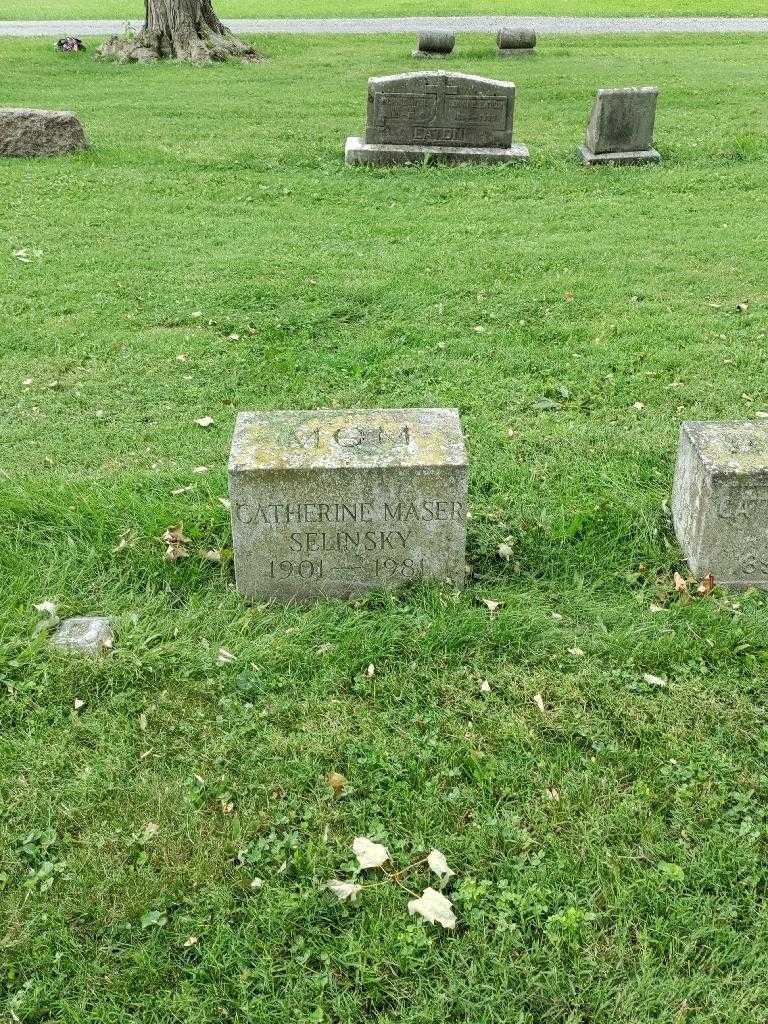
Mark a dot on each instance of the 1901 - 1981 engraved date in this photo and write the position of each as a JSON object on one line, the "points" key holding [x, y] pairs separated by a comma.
{"points": [[317, 569]]}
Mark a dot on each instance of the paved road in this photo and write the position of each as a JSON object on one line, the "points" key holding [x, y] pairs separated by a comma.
{"points": [[490, 23]]}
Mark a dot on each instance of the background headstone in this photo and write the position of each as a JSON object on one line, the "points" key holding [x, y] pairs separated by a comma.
{"points": [[720, 501], [514, 41], [435, 44], [27, 132], [620, 129], [334, 503], [442, 115]]}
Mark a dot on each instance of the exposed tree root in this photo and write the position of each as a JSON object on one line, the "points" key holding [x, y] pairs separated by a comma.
{"points": [[181, 29]]}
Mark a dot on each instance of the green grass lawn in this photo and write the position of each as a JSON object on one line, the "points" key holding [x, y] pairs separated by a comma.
{"points": [[215, 202], [20, 9]]}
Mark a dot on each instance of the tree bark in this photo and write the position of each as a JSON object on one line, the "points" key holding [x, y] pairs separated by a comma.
{"points": [[184, 29]]}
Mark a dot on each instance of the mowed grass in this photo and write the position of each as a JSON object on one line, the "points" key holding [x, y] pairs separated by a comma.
{"points": [[22, 9], [610, 850]]}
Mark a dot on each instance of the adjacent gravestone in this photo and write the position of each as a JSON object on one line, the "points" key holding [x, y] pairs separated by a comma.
{"points": [[620, 129], [27, 132], [435, 44], [720, 501], [437, 115], [335, 503], [84, 635], [513, 42]]}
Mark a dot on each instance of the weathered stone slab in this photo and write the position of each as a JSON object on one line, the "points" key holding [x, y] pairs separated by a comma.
{"points": [[333, 503], [435, 44], [414, 115], [620, 129], [84, 635], [26, 132], [720, 501]]}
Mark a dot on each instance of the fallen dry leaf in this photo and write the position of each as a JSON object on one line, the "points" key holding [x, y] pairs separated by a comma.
{"points": [[439, 865], [653, 680], [433, 907], [343, 890], [337, 782], [78, 703], [46, 607], [224, 657], [706, 586], [126, 540], [538, 700], [485, 686], [368, 853], [371, 671], [504, 551], [490, 604], [191, 941], [213, 555], [205, 421], [183, 490], [576, 652], [680, 585], [176, 543]]}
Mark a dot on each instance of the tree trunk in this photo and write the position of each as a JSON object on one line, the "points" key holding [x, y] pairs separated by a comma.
{"points": [[185, 29]]}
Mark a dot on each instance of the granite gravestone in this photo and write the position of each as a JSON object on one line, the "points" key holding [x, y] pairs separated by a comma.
{"points": [[439, 115], [620, 129], [720, 501], [513, 42], [26, 132], [435, 44], [334, 503]]}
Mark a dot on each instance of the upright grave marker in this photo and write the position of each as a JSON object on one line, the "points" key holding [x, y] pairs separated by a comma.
{"points": [[334, 503], [620, 129], [442, 115], [720, 501], [435, 44], [512, 42]]}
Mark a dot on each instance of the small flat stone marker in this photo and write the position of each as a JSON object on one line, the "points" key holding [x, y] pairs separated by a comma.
{"points": [[620, 129], [512, 42], [435, 44], [26, 132], [86, 635], [720, 501], [437, 115], [333, 503]]}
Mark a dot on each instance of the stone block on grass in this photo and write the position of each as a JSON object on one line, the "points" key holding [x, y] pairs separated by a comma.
{"points": [[25, 132], [440, 116], [334, 503], [435, 44], [84, 635], [620, 129], [720, 501]]}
